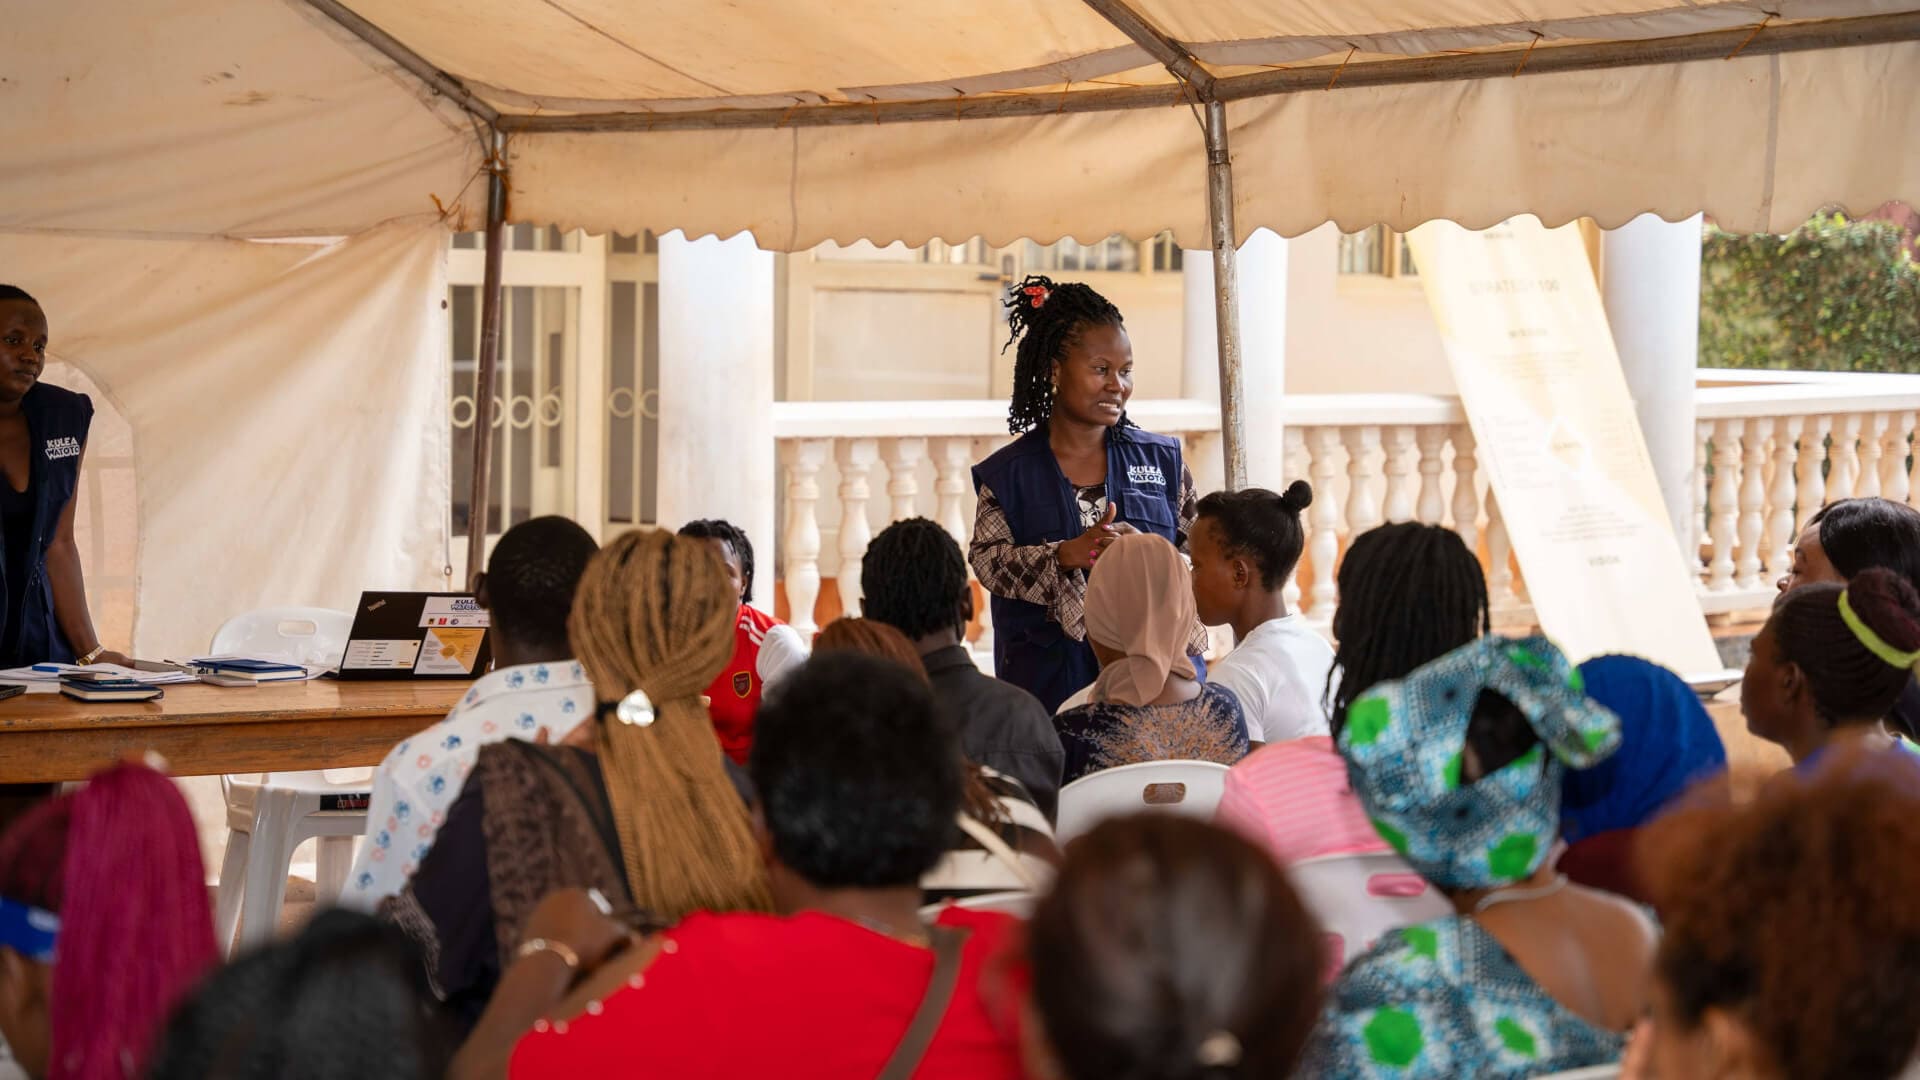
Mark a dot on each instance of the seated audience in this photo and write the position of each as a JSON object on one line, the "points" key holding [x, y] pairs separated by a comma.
{"points": [[1148, 703], [1460, 766], [649, 814], [764, 648], [1245, 547], [1003, 843], [1409, 594], [346, 999], [535, 685], [104, 925], [1667, 745], [1169, 949], [859, 784], [1831, 663], [915, 580], [1852, 535], [1791, 934]]}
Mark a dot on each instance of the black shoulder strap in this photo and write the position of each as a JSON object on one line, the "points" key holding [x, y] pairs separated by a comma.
{"points": [[947, 944]]}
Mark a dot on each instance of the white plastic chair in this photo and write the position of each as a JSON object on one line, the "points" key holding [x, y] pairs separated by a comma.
{"points": [[1357, 898], [269, 815], [1018, 904], [1189, 788]]}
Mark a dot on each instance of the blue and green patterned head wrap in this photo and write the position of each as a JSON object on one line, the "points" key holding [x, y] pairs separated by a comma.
{"points": [[1405, 744]]}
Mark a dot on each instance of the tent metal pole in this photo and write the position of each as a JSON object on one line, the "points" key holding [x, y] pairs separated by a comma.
{"points": [[1226, 295], [486, 375], [390, 47]]}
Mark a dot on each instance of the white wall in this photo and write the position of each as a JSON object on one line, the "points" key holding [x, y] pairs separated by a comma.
{"points": [[1357, 333]]}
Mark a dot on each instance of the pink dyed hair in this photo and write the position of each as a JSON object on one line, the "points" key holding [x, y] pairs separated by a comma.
{"points": [[120, 862]]}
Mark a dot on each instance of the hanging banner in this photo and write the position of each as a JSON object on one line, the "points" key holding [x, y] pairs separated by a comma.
{"points": [[1520, 315]]}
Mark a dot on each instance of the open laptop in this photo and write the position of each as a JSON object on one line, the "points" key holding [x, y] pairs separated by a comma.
{"points": [[418, 635]]}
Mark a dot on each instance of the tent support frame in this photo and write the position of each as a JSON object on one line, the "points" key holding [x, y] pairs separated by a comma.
{"points": [[487, 373], [1204, 87], [1547, 59], [1226, 296]]}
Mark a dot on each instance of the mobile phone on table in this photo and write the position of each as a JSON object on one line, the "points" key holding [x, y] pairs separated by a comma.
{"points": [[12, 689]]}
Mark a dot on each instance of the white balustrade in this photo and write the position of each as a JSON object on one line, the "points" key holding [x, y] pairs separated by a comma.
{"points": [[1324, 542], [1753, 501], [1780, 538], [953, 461], [1499, 558], [1432, 507], [1776, 448], [856, 458], [804, 457], [1894, 478], [903, 457], [1844, 479], [1401, 485], [1873, 433]]}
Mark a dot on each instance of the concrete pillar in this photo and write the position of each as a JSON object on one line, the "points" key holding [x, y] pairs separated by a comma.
{"points": [[1650, 282], [1263, 352], [717, 454]]}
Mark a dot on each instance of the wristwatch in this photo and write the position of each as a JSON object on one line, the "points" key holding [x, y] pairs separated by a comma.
{"points": [[92, 656]]}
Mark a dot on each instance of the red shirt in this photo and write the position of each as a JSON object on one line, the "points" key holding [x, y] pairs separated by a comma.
{"points": [[735, 695], [756, 996]]}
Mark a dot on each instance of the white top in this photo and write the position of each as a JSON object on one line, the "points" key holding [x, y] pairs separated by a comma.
{"points": [[420, 778], [1279, 673]]}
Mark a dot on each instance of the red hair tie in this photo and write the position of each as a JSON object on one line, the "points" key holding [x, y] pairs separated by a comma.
{"points": [[1038, 293]]}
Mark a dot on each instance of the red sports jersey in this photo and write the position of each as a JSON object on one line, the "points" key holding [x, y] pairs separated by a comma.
{"points": [[736, 693]]}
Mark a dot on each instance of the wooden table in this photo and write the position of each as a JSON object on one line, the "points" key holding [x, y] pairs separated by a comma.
{"points": [[203, 730]]}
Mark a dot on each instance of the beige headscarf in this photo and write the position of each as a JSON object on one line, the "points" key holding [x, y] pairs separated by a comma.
{"points": [[1140, 602]]}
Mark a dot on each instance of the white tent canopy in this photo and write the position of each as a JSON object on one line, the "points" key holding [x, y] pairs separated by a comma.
{"points": [[807, 120], [181, 122]]}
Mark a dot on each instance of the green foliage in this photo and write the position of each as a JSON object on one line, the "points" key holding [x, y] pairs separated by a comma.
{"points": [[1833, 295]]}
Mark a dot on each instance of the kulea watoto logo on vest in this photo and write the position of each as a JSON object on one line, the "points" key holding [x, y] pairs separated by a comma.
{"points": [[64, 447], [1146, 474]]}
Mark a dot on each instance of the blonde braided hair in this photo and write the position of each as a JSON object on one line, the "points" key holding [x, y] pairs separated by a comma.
{"points": [[656, 613]]}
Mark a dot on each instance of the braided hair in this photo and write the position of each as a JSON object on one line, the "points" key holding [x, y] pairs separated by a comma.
{"points": [[1409, 594], [1047, 319], [1257, 524], [1850, 682], [656, 613], [913, 577], [734, 537]]}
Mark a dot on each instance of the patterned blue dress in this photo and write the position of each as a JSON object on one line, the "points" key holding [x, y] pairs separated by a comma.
{"points": [[1444, 999]]}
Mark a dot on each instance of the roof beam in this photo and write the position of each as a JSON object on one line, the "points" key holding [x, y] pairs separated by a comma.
{"points": [[1546, 59], [1169, 52], [393, 49]]}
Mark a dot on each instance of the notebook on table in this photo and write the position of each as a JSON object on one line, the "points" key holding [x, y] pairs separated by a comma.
{"points": [[418, 635], [108, 689]]}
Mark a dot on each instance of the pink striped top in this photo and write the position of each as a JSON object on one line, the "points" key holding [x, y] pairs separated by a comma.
{"points": [[1293, 799]]}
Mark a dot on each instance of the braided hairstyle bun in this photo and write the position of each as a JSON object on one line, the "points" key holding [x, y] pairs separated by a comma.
{"points": [[1265, 528], [1047, 319]]}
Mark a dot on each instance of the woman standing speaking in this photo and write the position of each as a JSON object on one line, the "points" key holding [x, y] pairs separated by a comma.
{"points": [[43, 435], [1079, 474]]}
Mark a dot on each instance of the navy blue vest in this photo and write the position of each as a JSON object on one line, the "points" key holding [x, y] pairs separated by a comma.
{"points": [[57, 422], [1143, 480]]}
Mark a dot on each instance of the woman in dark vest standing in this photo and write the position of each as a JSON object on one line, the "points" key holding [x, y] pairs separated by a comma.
{"points": [[1079, 474], [43, 434]]}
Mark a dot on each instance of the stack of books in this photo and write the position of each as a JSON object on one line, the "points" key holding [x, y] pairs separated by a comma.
{"points": [[232, 671], [106, 686]]}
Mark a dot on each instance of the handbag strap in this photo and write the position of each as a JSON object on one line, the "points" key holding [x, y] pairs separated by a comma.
{"points": [[947, 942]]}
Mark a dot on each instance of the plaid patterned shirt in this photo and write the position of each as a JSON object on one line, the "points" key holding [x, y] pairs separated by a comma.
{"points": [[1033, 572]]}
